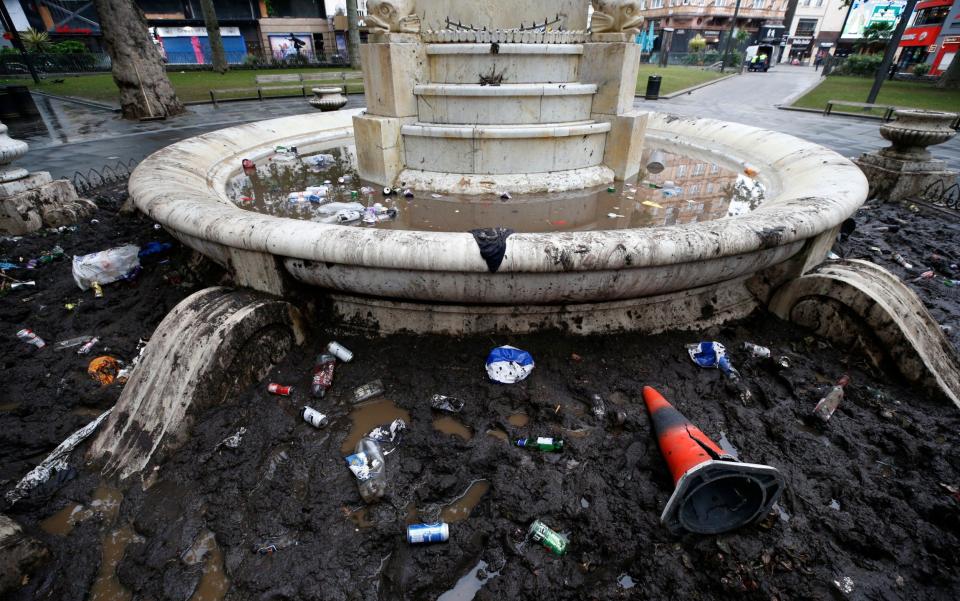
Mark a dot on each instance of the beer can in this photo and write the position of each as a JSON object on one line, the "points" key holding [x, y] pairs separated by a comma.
{"points": [[554, 541], [340, 352], [314, 417], [428, 533], [280, 389]]}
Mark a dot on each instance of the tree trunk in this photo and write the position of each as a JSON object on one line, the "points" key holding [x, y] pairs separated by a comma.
{"points": [[213, 36], [145, 89], [951, 77], [353, 34]]}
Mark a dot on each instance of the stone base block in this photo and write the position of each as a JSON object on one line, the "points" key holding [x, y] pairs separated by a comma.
{"points": [[390, 72], [624, 147], [379, 147], [613, 66], [48, 204], [898, 179], [30, 182]]}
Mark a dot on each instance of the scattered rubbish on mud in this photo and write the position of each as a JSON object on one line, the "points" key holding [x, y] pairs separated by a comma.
{"points": [[428, 533], [446, 403], [756, 350], [30, 337], [233, 441], [902, 262], [55, 461], [389, 436], [367, 392], [714, 355], [541, 444], [368, 416], [714, 492], [104, 369], [97, 290], [125, 370], [314, 417], [368, 466], [279, 389], [470, 583], [597, 406], [844, 585], [553, 541], [88, 346], [828, 404], [626, 582], [509, 365], [106, 266], [727, 446], [834, 504], [322, 375], [340, 352]]}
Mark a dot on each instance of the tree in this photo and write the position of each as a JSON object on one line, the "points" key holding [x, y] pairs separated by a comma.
{"points": [[698, 44], [353, 34], [876, 35], [951, 77], [36, 41], [145, 89], [213, 36]]}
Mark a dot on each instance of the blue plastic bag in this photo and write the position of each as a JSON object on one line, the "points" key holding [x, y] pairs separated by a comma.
{"points": [[710, 354], [508, 364]]}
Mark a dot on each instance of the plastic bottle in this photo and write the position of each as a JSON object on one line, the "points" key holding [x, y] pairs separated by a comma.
{"points": [[828, 404], [541, 444], [374, 485], [322, 375], [756, 350], [597, 406]]}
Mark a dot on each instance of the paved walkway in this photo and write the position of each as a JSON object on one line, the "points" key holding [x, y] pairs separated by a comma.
{"points": [[71, 137], [752, 98]]}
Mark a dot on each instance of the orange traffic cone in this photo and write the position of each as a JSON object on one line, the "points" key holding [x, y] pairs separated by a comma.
{"points": [[714, 491]]}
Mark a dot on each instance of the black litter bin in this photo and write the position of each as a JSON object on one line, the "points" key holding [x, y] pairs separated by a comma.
{"points": [[653, 87]]}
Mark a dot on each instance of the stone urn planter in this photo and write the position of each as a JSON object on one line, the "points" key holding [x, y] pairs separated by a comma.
{"points": [[11, 150], [913, 131], [328, 99]]}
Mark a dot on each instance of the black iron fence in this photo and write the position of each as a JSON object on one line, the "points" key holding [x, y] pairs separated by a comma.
{"points": [[105, 176]]}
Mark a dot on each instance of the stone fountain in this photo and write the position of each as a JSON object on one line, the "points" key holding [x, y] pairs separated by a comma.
{"points": [[473, 98]]}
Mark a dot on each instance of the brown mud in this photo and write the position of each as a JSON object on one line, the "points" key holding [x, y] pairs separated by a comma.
{"points": [[867, 495]]}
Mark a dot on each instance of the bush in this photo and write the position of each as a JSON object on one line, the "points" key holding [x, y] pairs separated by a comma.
{"points": [[921, 69], [860, 65], [69, 47]]}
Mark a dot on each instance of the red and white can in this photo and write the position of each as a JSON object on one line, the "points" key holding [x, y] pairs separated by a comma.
{"points": [[274, 388]]}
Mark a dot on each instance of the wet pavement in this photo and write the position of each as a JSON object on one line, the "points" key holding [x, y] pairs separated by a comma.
{"points": [[753, 98]]}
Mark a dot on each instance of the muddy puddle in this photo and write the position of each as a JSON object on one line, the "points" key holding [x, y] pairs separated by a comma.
{"points": [[452, 426], [107, 587], [214, 583], [498, 433], [518, 420], [62, 522], [460, 508], [105, 504], [368, 416]]}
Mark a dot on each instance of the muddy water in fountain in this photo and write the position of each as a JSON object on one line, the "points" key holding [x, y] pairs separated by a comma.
{"points": [[459, 509], [450, 425], [687, 190], [368, 416]]}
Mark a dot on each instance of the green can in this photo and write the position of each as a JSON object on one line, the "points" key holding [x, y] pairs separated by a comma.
{"points": [[541, 533]]}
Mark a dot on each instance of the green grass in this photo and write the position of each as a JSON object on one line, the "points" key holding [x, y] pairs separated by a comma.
{"points": [[908, 94], [676, 77], [190, 85]]}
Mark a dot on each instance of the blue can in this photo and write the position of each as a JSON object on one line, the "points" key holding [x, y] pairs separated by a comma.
{"points": [[428, 533]]}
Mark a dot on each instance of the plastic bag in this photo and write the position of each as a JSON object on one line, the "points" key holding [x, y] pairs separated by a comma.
{"points": [[105, 266], [508, 364]]}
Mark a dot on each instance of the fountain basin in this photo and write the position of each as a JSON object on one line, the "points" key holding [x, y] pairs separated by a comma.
{"points": [[648, 279]]}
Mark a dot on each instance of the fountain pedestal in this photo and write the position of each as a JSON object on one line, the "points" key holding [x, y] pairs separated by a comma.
{"points": [[906, 168], [29, 201]]}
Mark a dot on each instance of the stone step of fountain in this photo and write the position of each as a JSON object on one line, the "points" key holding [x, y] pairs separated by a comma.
{"points": [[511, 63], [505, 149], [526, 103]]}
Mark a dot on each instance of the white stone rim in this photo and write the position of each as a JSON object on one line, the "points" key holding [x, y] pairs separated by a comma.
{"points": [[183, 187]]}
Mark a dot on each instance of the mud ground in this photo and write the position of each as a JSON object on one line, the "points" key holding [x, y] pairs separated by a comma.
{"points": [[867, 495]]}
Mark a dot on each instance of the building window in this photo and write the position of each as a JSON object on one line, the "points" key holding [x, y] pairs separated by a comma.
{"points": [[719, 3], [806, 28], [819, 3], [699, 169], [656, 3], [931, 16], [758, 3], [714, 168], [681, 170], [694, 189], [806, 2], [709, 188]]}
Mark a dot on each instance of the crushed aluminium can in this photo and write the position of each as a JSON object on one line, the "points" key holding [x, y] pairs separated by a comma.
{"points": [[367, 391], [428, 533], [274, 388], [314, 417], [442, 402], [554, 541]]}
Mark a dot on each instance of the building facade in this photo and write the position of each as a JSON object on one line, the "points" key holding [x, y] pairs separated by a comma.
{"points": [[814, 30], [280, 30], [710, 19], [927, 39]]}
